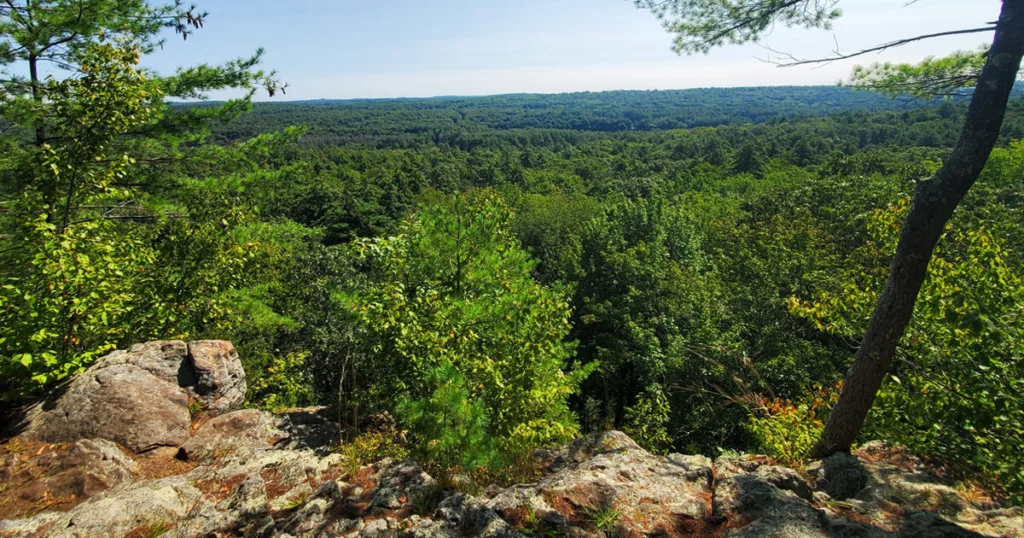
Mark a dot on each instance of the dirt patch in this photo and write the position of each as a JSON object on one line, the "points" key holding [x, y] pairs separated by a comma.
{"points": [[160, 463], [363, 478], [274, 483], [899, 457], [218, 490], [565, 507], [887, 524], [37, 476], [334, 473], [518, 517], [685, 528], [153, 468], [198, 422]]}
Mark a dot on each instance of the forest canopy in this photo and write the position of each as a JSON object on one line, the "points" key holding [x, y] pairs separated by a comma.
{"points": [[503, 273]]}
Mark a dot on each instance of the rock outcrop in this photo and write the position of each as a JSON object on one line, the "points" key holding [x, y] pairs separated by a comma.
{"points": [[142, 398], [257, 474]]}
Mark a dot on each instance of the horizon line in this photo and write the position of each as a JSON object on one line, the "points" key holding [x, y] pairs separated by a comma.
{"points": [[486, 95]]}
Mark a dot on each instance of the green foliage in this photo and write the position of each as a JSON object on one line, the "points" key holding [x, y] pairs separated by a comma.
{"points": [[786, 430], [956, 388], [196, 409], [284, 384], [69, 283], [666, 248], [701, 25], [105, 236], [453, 287], [604, 518], [951, 76], [540, 121], [449, 428], [428, 499], [647, 421], [650, 311], [371, 447]]}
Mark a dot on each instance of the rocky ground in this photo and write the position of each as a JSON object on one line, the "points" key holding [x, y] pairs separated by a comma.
{"points": [[146, 444]]}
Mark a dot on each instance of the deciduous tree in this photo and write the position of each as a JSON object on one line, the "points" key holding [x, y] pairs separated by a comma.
{"points": [[701, 25]]}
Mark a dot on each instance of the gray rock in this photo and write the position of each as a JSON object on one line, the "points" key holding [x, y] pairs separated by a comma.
{"points": [[929, 525], [146, 506], [729, 466], [778, 527], [239, 432], [844, 528], [140, 398], [471, 517], [841, 475], [399, 483], [609, 471], [785, 478], [763, 509], [219, 377], [131, 398], [72, 474], [378, 528], [585, 448], [309, 428]]}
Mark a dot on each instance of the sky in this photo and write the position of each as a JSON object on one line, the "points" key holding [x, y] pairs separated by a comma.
{"points": [[338, 49]]}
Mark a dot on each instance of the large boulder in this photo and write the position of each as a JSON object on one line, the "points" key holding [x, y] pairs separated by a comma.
{"points": [[141, 397]]}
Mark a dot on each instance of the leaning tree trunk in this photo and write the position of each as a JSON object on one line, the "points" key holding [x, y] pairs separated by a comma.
{"points": [[932, 206]]}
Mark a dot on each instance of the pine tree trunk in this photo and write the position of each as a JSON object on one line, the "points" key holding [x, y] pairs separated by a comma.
{"points": [[932, 207], [37, 96]]}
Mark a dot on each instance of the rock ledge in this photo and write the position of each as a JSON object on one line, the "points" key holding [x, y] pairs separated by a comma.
{"points": [[117, 455]]}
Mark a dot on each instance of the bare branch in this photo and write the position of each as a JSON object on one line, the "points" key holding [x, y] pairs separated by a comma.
{"points": [[791, 60]]}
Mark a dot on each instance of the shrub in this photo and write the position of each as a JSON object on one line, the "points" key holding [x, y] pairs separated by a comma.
{"points": [[647, 420], [453, 291], [955, 386], [449, 427], [285, 384], [372, 447], [786, 430]]}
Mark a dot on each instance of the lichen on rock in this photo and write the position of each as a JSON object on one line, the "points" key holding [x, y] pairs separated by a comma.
{"points": [[253, 473]]}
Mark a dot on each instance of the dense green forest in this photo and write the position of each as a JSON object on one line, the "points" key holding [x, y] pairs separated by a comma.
{"points": [[693, 267], [399, 120], [463, 121]]}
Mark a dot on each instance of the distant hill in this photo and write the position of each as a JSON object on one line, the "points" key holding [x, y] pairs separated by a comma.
{"points": [[347, 120]]}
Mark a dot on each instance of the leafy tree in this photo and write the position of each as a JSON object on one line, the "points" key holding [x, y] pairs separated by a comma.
{"points": [[453, 287], [703, 24], [59, 34], [68, 280], [80, 277], [951, 76], [106, 235], [649, 313], [968, 321]]}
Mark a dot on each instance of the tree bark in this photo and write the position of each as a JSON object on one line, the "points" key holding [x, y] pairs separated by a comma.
{"points": [[933, 205], [37, 96]]}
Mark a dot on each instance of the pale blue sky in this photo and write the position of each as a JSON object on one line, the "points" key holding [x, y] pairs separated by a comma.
{"points": [[417, 48]]}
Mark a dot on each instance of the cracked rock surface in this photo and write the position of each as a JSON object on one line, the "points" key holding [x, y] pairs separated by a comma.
{"points": [[257, 474]]}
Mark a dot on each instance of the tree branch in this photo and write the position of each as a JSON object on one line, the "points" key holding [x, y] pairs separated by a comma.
{"points": [[792, 61]]}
